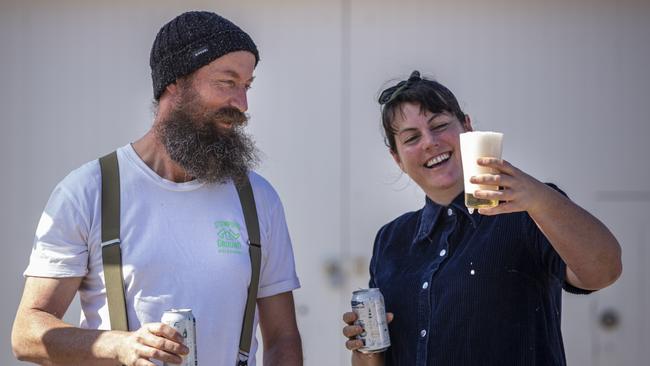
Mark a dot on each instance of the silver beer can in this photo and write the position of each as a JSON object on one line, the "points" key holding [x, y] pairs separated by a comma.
{"points": [[183, 321], [368, 304]]}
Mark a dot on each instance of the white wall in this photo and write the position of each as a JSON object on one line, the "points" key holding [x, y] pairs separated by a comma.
{"points": [[566, 81]]}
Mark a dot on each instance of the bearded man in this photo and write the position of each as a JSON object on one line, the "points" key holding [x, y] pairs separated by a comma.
{"points": [[184, 239]]}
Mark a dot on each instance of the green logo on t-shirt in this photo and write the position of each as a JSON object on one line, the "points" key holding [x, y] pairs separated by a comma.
{"points": [[228, 236]]}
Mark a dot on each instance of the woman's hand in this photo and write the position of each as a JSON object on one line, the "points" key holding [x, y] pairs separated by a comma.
{"points": [[519, 191], [351, 331], [592, 254]]}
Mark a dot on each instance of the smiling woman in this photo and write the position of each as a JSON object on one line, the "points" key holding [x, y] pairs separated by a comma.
{"points": [[428, 150], [468, 288], [422, 121]]}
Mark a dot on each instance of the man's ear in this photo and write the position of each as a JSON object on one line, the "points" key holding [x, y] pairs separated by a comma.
{"points": [[172, 89], [171, 92], [168, 99]]}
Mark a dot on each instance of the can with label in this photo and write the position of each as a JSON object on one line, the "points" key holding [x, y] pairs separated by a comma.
{"points": [[183, 321], [368, 304]]}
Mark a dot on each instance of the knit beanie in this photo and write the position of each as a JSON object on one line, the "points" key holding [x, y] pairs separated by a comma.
{"points": [[190, 41]]}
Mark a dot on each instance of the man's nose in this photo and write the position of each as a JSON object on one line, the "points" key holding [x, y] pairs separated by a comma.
{"points": [[239, 100]]}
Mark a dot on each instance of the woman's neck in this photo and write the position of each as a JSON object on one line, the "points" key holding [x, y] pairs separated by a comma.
{"points": [[446, 196]]}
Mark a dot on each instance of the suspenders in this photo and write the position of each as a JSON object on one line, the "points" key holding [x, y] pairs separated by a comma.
{"points": [[111, 253], [247, 200], [112, 258]]}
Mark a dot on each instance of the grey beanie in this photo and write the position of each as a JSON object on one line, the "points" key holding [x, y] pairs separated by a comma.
{"points": [[190, 41]]}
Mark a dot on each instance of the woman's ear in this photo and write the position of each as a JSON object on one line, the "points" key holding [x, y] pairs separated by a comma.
{"points": [[467, 124], [397, 159]]}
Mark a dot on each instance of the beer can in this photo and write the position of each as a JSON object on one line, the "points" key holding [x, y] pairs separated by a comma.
{"points": [[368, 304], [183, 321]]}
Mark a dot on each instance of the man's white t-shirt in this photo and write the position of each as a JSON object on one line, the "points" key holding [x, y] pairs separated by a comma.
{"points": [[184, 245]]}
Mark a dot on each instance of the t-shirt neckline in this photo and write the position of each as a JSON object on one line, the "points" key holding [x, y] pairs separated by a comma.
{"points": [[133, 158]]}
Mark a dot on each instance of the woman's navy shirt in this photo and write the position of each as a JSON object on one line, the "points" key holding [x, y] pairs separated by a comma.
{"points": [[469, 289]]}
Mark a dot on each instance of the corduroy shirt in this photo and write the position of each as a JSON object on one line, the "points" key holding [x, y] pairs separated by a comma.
{"points": [[468, 289]]}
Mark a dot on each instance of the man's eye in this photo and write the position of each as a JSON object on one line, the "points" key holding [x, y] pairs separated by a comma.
{"points": [[228, 83]]}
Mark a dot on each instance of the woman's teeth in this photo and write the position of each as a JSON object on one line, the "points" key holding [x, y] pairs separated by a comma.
{"points": [[437, 160]]}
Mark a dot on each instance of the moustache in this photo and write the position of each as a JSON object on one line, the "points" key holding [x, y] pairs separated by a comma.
{"points": [[228, 116]]}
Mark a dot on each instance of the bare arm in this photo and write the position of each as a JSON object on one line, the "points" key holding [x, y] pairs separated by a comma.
{"points": [[591, 252], [282, 344], [40, 336], [370, 359]]}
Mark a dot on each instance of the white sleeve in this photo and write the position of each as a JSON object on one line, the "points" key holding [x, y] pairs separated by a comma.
{"points": [[278, 272], [60, 248]]}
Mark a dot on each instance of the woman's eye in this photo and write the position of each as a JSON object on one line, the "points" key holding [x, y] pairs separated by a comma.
{"points": [[410, 139], [440, 127]]}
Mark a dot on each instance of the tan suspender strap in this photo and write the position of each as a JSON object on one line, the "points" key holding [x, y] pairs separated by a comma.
{"points": [[245, 191], [111, 254]]}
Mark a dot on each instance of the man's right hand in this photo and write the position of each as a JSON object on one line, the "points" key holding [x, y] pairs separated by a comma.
{"points": [[153, 341], [40, 336]]}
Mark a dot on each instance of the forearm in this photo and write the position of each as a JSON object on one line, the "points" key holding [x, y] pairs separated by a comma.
{"points": [[42, 338], [587, 247], [285, 351], [370, 359]]}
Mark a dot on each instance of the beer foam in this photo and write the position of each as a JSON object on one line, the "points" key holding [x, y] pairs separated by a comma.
{"points": [[476, 144]]}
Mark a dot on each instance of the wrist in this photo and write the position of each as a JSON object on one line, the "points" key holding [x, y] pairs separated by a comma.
{"points": [[543, 197], [108, 345], [367, 356]]}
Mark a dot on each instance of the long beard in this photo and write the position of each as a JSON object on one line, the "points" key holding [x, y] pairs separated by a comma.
{"points": [[206, 151]]}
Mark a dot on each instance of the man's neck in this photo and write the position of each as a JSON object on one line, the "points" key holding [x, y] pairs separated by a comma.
{"points": [[154, 154]]}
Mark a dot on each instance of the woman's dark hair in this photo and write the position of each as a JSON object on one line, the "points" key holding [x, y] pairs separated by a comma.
{"points": [[430, 95]]}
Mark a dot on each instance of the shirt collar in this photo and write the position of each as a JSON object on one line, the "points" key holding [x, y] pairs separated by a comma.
{"points": [[432, 211]]}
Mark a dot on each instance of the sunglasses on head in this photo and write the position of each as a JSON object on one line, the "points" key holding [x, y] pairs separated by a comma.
{"points": [[391, 93]]}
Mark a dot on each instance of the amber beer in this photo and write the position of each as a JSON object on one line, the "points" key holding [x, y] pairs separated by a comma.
{"points": [[474, 145]]}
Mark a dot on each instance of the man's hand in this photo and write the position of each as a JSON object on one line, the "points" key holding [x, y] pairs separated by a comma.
{"points": [[155, 341], [40, 336]]}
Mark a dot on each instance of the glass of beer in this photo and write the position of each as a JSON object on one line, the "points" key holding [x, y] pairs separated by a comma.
{"points": [[474, 145]]}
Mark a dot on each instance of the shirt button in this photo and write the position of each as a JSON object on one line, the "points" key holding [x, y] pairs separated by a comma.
{"points": [[423, 333], [450, 212], [443, 252], [425, 285]]}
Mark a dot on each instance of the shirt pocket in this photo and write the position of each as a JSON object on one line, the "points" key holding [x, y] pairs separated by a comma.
{"points": [[149, 309]]}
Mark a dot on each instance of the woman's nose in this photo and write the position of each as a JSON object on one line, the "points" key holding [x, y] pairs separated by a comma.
{"points": [[429, 140]]}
